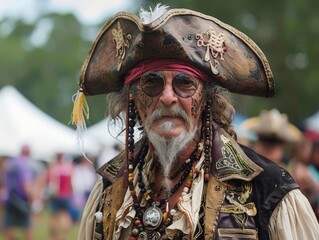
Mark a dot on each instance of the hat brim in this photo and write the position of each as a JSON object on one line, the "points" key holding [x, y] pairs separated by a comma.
{"points": [[290, 133], [229, 57]]}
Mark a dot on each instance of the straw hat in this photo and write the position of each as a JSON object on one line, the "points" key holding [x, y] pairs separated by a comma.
{"points": [[273, 125]]}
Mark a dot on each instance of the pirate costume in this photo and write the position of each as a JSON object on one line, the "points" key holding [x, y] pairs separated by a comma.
{"points": [[227, 191]]}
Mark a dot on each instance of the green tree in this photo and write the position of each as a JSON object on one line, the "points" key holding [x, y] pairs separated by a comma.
{"points": [[45, 66], [47, 72]]}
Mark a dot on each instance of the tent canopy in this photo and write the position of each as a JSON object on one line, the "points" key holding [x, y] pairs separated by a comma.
{"points": [[23, 123], [312, 122], [312, 127], [106, 134]]}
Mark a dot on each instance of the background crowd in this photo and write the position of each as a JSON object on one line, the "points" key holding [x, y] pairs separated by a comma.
{"points": [[30, 187], [293, 148]]}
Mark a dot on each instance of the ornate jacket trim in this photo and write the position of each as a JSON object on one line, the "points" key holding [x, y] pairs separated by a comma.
{"points": [[110, 170], [229, 210], [114, 196], [114, 168], [215, 196], [235, 233], [229, 160]]}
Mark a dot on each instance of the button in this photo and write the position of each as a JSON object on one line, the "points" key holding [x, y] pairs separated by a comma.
{"points": [[218, 188]]}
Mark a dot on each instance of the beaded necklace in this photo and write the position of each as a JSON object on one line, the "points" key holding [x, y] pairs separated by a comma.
{"points": [[151, 223]]}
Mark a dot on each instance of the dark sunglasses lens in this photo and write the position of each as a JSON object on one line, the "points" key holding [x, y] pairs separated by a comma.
{"points": [[185, 85], [152, 84]]}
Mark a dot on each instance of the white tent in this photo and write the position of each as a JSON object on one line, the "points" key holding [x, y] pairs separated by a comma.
{"points": [[107, 138], [312, 122], [109, 135], [23, 123], [105, 135]]}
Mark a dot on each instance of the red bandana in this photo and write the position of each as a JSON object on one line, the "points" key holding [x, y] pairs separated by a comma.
{"points": [[156, 65]]}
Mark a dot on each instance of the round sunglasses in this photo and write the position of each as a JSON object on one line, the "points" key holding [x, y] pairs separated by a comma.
{"points": [[153, 83]]}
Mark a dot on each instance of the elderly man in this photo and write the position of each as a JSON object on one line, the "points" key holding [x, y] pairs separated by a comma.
{"points": [[186, 178]]}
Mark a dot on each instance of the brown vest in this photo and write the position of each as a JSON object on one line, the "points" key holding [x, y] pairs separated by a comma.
{"points": [[236, 206]]}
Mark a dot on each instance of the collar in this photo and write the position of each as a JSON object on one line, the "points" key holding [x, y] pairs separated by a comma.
{"points": [[228, 160], [116, 167]]}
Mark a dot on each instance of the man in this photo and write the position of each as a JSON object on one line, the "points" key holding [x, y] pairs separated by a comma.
{"points": [[186, 178], [58, 178], [18, 181]]}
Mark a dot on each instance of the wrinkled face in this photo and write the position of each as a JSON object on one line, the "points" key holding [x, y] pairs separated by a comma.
{"points": [[169, 102]]}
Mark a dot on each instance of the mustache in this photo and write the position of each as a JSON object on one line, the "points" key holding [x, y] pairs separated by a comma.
{"points": [[165, 111]]}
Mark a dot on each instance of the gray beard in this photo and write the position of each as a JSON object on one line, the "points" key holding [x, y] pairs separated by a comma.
{"points": [[167, 150]]}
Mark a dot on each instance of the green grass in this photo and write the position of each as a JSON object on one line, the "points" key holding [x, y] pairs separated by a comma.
{"points": [[41, 228]]}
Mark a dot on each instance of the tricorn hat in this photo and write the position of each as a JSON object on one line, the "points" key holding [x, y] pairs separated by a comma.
{"points": [[226, 55], [272, 125]]}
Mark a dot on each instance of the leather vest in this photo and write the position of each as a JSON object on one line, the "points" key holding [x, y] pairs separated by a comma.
{"points": [[243, 190]]}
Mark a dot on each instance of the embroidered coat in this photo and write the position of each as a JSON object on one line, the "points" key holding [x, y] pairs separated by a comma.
{"points": [[243, 190]]}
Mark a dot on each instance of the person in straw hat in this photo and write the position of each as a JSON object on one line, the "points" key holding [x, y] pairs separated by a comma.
{"points": [[169, 71], [274, 132]]}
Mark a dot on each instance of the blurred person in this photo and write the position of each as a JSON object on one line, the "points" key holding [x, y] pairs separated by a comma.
{"points": [[299, 161], [298, 166], [274, 133], [313, 163], [83, 180], [18, 187], [168, 71], [2, 190], [277, 139], [59, 182]]}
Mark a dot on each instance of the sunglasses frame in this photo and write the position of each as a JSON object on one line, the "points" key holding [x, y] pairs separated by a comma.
{"points": [[176, 90]]}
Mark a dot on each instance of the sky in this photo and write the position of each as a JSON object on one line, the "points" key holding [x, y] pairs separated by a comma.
{"points": [[87, 11]]}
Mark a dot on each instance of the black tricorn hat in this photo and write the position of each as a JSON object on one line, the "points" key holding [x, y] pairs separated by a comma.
{"points": [[228, 56]]}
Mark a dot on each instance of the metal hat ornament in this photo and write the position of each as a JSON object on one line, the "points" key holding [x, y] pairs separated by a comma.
{"points": [[227, 56]]}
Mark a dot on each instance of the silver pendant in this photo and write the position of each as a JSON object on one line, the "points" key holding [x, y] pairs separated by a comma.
{"points": [[152, 217]]}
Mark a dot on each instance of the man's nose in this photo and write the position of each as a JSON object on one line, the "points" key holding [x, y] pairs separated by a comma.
{"points": [[168, 96]]}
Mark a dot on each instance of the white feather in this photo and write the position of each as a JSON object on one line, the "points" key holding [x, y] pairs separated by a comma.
{"points": [[150, 16]]}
